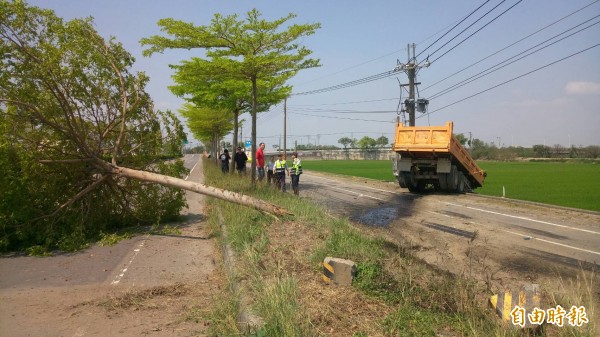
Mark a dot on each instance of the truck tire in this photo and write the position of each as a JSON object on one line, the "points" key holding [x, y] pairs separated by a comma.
{"points": [[460, 188], [442, 183], [401, 180], [410, 182], [452, 179]]}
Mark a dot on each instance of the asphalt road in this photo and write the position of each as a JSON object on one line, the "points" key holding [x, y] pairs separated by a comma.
{"points": [[509, 237], [64, 294], [140, 261]]}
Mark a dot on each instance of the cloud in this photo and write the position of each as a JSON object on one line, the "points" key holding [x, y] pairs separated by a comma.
{"points": [[582, 88]]}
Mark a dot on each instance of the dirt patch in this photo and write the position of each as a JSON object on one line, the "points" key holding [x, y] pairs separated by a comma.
{"points": [[333, 310], [102, 310]]}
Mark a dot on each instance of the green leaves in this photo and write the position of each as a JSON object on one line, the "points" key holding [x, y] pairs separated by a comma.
{"points": [[67, 97], [247, 62]]}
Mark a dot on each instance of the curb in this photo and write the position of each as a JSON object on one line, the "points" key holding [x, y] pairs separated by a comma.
{"points": [[246, 320]]}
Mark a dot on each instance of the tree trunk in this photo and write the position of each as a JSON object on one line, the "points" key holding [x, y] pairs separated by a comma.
{"points": [[200, 188], [236, 114], [253, 154]]}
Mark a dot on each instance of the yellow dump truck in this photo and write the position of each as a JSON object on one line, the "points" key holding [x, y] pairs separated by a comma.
{"points": [[430, 157]]}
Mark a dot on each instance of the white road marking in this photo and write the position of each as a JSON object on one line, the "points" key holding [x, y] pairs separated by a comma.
{"points": [[192, 170], [551, 242], [521, 218], [120, 276]]}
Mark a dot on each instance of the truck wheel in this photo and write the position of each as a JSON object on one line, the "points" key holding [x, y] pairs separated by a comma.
{"points": [[452, 179], [414, 188], [460, 188], [443, 185], [410, 182], [401, 180]]}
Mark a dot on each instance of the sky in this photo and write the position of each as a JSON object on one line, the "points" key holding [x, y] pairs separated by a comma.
{"points": [[527, 100]]}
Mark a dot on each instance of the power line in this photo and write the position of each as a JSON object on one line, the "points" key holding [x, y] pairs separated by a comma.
{"points": [[388, 54], [451, 29], [330, 134], [510, 45], [351, 67], [355, 102], [393, 72], [513, 79], [469, 26], [350, 84], [341, 111], [475, 32], [491, 70], [353, 119]]}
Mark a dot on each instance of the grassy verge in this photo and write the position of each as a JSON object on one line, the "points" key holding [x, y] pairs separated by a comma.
{"points": [[569, 184], [394, 294]]}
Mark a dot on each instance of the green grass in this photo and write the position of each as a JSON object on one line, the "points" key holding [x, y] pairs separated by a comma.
{"points": [[418, 300], [570, 184], [565, 184], [374, 169]]}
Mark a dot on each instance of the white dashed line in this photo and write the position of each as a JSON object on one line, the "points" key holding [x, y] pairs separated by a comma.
{"points": [[136, 252], [551, 242], [192, 170], [521, 218]]}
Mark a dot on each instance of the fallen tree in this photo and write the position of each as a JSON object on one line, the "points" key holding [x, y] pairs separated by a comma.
{"points": [[80, 140]]}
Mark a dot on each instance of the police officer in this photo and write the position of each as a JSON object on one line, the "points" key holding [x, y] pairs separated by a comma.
{"points": [[295, 173], [280, 171]]}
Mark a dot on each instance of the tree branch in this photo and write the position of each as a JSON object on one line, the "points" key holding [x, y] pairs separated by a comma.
{"points": [[78, 196]]}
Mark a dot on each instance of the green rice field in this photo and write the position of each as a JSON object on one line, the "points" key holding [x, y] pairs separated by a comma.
{"points": [[570, 184]]}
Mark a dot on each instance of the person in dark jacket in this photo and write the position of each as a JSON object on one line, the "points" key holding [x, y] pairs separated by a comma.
{"points": [[225, 161], [240, 158]]}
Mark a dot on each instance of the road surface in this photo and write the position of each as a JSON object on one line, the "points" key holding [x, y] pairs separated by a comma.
{"points": [[504, 243], [84, 293]]}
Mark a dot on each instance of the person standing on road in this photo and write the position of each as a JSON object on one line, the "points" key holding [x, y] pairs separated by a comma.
{"points": [[260, 161], [280, 171], [295, 173], [225, 161], [240, 160], [270, 170]]}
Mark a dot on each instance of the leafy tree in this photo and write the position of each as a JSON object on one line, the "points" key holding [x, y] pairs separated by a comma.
{"points": [[254, 50], [345, 141], [208, 125], [76, 124], [541, 151], [204, 84], [462, 139], [382, 141], [367, 142]]}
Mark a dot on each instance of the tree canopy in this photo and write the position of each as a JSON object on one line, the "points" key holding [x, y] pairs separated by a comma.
{"points": [[367, 142], [261, 52], [76, 124], [345, 141], [67, 98]]}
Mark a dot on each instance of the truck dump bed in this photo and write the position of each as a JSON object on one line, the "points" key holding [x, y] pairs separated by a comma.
{"points": [[432, 142]]}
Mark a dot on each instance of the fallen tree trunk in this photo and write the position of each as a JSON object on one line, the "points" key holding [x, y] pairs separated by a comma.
{"points": [[200, 188]]}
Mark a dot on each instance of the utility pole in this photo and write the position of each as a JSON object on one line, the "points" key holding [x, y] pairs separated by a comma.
{"points": [[284, 130], [411, 71]]}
